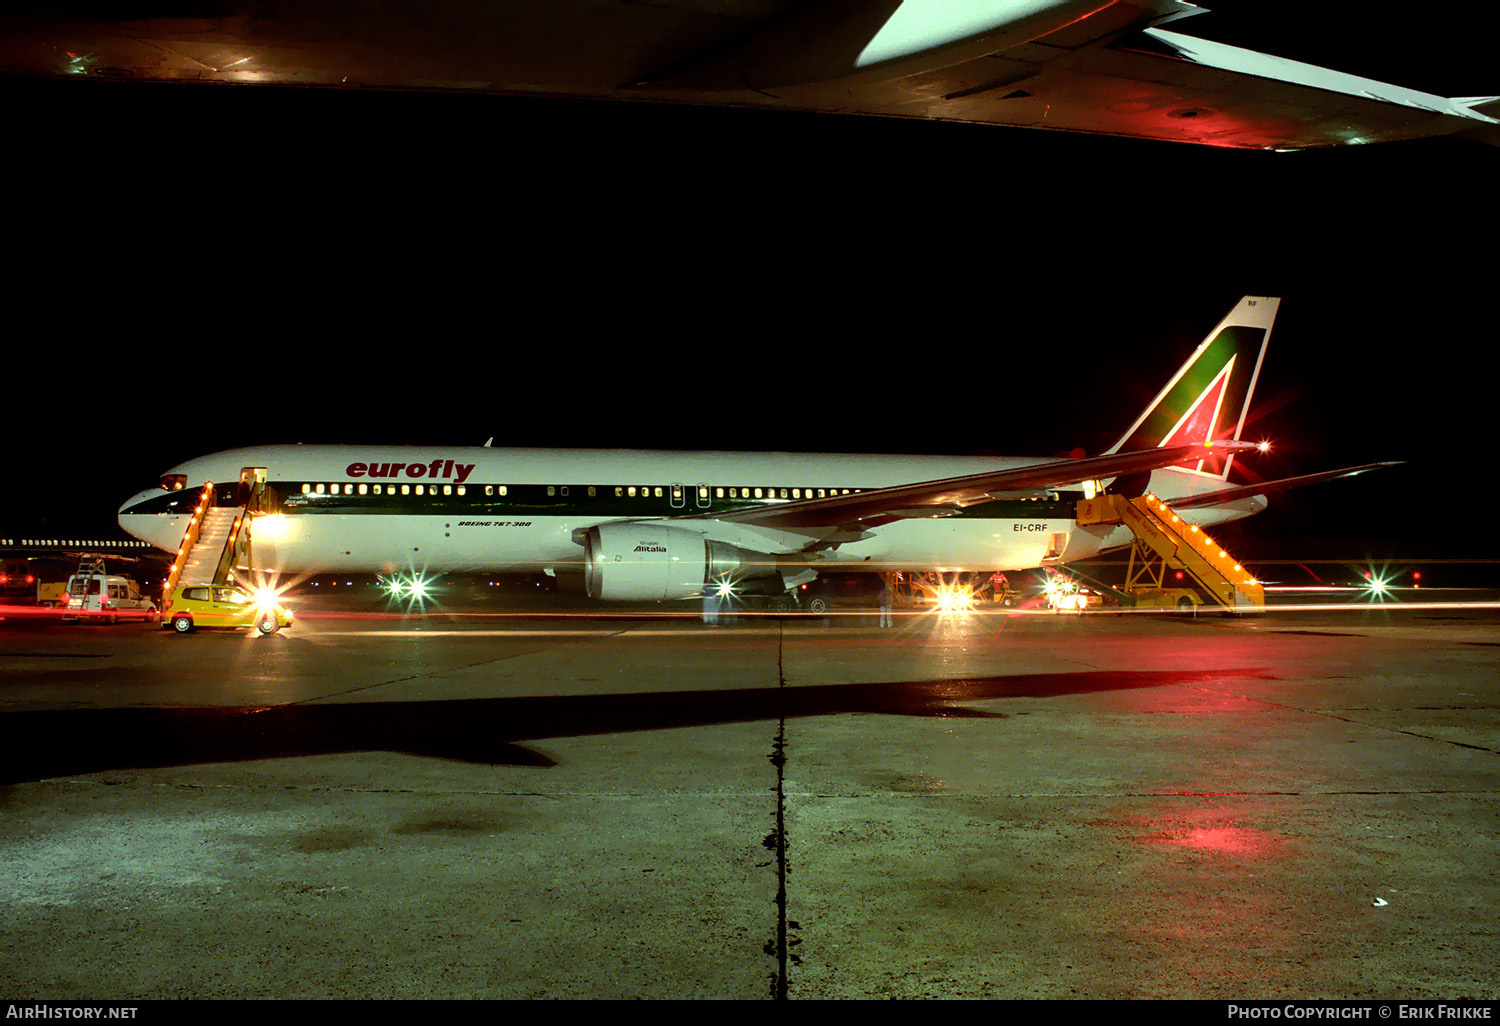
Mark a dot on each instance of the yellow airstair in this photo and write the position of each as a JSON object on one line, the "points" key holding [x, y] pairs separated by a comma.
{"points": [[216, 542], [1164, 541]]}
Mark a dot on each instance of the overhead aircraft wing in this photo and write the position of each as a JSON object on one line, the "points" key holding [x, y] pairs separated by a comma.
{"points": [[1097, 66], [876, 506], [1069, 65], [1279, 485]]}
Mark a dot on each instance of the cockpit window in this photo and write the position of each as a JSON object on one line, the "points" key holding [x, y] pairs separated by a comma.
{"points": [[174, 482]]}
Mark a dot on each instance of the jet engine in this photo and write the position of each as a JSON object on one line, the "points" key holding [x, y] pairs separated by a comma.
{"points": [[636, 562]]}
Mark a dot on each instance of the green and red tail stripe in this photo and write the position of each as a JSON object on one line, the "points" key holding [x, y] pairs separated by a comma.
{"points": [[1209, 396]]}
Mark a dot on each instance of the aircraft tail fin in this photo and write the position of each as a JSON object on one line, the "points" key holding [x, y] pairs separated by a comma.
{"points": [[1209, 396]]}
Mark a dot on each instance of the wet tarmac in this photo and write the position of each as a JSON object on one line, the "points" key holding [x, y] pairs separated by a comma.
{"points": [[502, 799]]}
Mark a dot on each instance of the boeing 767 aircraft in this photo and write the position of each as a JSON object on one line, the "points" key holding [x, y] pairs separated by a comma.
{"points": [[648, 525]]}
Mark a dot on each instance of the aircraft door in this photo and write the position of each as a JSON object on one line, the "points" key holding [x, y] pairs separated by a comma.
{"points": [[252, 491], [1056, 544], [679, 497]]}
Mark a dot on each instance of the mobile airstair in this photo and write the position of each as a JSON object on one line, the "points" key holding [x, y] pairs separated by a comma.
{"points": [[1164, 542], [217, 540]]}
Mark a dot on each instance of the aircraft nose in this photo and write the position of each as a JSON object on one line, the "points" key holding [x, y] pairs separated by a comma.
{"points": [[137, 519], [135, 500]]}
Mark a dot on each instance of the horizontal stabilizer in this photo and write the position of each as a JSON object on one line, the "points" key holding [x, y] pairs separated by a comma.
{"points": [[1281, 485]]}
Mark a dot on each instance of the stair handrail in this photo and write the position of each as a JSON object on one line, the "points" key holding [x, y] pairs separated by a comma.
{"points": [[189, 539], [226, 558]]}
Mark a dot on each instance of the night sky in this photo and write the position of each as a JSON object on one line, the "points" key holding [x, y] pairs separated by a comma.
{"points": [[203, 268]]}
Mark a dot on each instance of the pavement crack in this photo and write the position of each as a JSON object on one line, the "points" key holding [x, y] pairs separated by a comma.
{"points": [[776, 840]]}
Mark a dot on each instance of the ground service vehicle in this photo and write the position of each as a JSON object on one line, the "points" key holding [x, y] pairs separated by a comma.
{"points": [[191, 606], [104, 595]]}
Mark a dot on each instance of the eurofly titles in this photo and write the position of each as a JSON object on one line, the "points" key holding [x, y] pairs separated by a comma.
{"points": [[438, 468]]}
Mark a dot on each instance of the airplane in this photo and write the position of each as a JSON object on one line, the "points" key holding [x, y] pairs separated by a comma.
{"points": [[664, 525], [1110, 67]]}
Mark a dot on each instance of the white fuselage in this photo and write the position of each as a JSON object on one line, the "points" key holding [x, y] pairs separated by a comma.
{"points": [[382, 509]]}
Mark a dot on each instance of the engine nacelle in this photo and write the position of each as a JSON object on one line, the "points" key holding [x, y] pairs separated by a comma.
{"points": [[634, 562]]}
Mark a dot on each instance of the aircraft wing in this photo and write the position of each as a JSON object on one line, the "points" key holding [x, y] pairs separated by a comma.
{"points": [[1092, 66], [1279, 485], [876, 506]]}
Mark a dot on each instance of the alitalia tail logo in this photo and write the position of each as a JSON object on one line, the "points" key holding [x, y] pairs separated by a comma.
{"points": [[1198, 423], [438, 468]]}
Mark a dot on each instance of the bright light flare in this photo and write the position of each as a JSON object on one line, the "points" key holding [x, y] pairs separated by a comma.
{"points": [[269, 527], [952, 598], [413, 590], [412, 587], [1264, 445], [1379, 584]]}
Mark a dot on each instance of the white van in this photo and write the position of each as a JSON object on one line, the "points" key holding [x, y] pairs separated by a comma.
{"points": [[107, 596]]}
